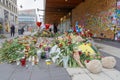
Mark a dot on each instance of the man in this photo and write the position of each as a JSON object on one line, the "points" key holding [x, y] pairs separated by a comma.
{"points": [[12, 30], [22, 30], [55, 28]]}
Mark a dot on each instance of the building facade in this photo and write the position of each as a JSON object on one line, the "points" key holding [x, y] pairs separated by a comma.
{"points": [[27, 18], [8, 14]]}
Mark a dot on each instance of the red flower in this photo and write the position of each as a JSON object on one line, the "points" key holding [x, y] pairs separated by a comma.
{"points": [[40, 45], [60, 45], [87, 61], [74, 29], [69, 42], [69, 37], [79, 52]]}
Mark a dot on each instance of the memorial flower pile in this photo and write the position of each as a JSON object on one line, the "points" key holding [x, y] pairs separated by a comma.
{"points": [[73, 50]]}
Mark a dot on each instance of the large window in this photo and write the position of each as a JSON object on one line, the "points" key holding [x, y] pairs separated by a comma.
{"points": [[1, 1], [7, 4], [11, 17], [15, 2], [10, 6], [26, 19], [6, 15], [4, 2]]}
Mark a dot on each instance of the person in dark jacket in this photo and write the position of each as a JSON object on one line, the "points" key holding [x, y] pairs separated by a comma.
{"points": [[55, 28], [12, 30], [22, 30]]}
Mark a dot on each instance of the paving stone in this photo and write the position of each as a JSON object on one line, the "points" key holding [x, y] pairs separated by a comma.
{"points": [[63, 77], [40, 75], [113, 74], [6, 70], [81, 77]]}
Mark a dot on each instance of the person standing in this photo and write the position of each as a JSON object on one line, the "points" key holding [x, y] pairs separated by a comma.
{"points": [[55, 28], [12, 30], [22, 30]]}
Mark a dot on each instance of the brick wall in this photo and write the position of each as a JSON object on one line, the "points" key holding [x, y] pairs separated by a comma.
{"points": [[96, 16]]}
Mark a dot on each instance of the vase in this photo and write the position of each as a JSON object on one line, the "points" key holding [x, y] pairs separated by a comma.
{"points": [[30, 59], [33, 60], [65, 61], [18, 62], [23, 62]]}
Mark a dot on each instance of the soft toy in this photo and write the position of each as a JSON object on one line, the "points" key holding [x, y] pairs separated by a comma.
{"points": [[108, 62], [94, 66]]}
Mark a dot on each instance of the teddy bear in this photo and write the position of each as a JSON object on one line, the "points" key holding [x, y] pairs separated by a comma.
{"points": [[108, 62], [94, 66]]}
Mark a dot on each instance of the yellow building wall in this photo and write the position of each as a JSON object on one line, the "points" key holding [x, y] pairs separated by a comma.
{"points": [[96, 16]]}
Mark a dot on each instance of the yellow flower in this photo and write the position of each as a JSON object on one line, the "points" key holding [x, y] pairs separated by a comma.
{"points": [[87, 48]]}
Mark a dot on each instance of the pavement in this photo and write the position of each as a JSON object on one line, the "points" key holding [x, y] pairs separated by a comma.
{"points": [[42, 71], [54, 72]]}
